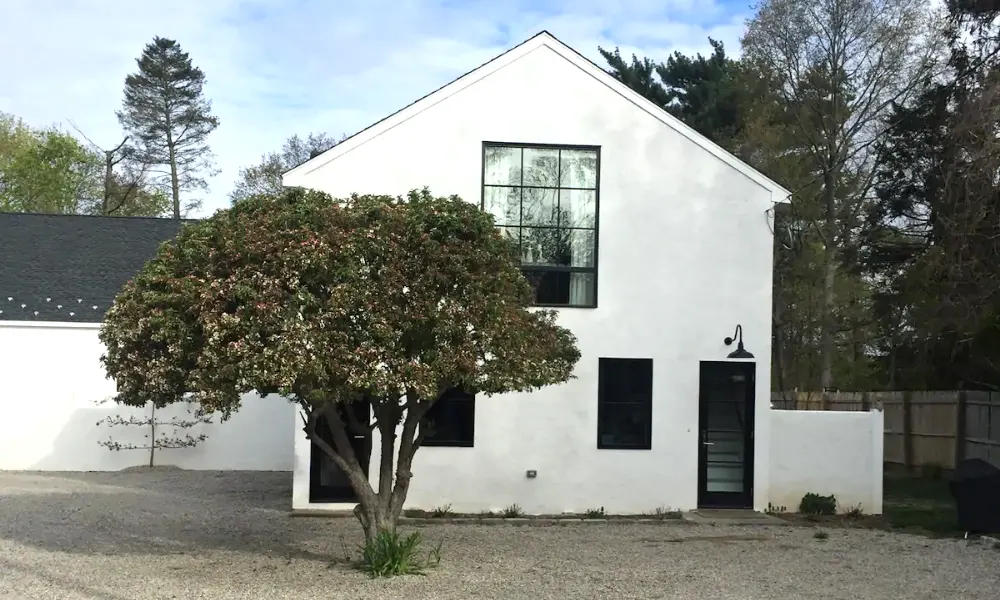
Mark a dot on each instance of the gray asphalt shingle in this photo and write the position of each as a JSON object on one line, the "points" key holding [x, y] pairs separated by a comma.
{"points": [[55, 265]]}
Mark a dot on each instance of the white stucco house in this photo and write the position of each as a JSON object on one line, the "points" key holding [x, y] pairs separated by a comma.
{"points": [[666, 252], [662, 268]]}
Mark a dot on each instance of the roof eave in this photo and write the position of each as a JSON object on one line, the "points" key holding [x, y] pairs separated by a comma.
{"points": [[296, 175]]}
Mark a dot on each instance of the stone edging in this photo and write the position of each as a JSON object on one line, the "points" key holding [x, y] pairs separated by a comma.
{"points": [[476, 520], [536, 521]]}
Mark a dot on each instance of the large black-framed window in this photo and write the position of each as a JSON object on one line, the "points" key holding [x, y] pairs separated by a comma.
{"points": [[452, 420], [545, 198], [625, 404]]}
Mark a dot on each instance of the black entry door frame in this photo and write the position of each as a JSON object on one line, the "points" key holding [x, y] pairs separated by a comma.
{"points": [[340, 490], [736, 382]]}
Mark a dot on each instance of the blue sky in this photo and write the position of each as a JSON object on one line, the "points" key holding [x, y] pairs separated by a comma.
{"points": [[279, 67]]}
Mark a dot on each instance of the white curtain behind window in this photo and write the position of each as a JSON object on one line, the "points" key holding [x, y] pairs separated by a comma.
{"points": [[578, 169]]}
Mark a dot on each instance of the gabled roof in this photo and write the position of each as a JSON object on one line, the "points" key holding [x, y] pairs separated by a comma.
{"points": [[60, 264], [544, 38]]}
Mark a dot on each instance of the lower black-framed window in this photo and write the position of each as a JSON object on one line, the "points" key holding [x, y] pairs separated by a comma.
{"points": [[624, 403], [452, 420]]}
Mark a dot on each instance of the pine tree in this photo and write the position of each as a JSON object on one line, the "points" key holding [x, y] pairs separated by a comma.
{"points": [[705, 92], [169, 119]]}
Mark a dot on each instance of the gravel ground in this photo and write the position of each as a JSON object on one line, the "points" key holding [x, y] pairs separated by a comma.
{"points": [[191, 535]]}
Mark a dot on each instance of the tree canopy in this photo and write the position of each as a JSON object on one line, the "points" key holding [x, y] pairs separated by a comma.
{"points": [[44, 170], [47, 170], [265, 176], [394, 300]]}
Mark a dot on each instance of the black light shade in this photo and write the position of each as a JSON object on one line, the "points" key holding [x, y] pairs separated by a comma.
{"points": [[740, 351]]}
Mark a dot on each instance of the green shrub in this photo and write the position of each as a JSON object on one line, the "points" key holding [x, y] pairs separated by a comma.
{"points": [[662, 513], [440, 512], [821, 535], [390, 554], [775, 510], [855, 512], [814, 504], [512, 511], [594, 513]]}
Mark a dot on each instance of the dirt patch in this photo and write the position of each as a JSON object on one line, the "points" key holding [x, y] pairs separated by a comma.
{"points": [[149, 469], [862, 521], [719, 539]]}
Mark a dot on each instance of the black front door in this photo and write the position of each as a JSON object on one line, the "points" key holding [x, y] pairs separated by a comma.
{"points": [[327, 483], [725, 434]]}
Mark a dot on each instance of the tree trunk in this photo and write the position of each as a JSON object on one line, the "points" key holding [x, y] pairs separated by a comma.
{"points": [[777, 352], [152, 435], [342, 454], [379, 511], [827, 342], [407, 448], [175, 188], [108, 178]]}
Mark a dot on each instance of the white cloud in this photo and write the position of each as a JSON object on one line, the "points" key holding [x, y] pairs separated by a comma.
{"points": [[275, 68]]}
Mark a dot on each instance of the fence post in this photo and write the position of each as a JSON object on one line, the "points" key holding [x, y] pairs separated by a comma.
{"points": [[907, 432], [960, 427], [866, 404]]}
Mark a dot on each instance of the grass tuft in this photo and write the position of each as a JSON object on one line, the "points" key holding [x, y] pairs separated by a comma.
{"points": [[390, 554]]}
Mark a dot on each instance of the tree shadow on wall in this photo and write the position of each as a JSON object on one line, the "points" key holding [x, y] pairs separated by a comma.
{"points": [[253, 439]]}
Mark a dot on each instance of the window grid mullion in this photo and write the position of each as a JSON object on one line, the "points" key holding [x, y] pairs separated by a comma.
{"points": [[520, 214], [558, 194], [550, 228], [540, 187]]}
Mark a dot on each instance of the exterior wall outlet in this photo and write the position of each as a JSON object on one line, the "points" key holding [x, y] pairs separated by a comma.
{"points": [[532, 474]]}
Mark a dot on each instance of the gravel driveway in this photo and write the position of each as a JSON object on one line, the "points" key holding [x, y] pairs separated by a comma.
{"points": [[190, 535]]}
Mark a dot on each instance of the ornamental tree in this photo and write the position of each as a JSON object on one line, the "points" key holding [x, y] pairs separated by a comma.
{"points": [[328, 302]]}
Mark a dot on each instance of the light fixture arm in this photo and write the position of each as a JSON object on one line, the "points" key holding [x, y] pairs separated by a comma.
{"points": [[737, 335]]}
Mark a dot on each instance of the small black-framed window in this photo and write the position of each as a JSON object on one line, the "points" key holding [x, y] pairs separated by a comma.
{"points": [[451, 420], [625, 403], [545, 198]]}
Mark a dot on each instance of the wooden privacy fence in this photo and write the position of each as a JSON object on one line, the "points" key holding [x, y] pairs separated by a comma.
{"points": [[936, 429]]}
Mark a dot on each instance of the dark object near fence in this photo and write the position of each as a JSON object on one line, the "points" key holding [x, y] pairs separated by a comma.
{"points": [[975, 486]]}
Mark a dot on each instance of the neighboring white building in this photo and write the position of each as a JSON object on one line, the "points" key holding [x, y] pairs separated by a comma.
{"points": [[58, 276], [665, 247]]}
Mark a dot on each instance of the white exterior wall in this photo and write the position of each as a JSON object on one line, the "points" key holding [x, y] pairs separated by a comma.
{"points": [[827, 452], [685, 253], [52, 380]]}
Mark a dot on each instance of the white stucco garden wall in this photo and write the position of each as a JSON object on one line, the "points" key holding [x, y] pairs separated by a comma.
{"points": [[685, 254], [827, 452], [52, 381]]}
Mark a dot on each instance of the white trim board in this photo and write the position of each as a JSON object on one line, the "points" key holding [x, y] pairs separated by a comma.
{"points": [[50, 324]]}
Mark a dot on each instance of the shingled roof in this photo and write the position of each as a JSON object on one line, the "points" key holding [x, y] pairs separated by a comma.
{"points": [[70, 267]]}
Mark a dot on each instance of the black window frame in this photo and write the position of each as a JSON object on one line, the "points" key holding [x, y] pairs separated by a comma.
{"points": [[604, 404], [448, 401], [593, 271]]}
